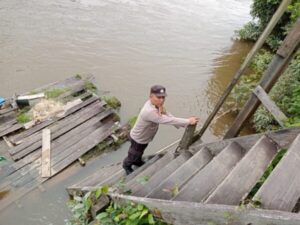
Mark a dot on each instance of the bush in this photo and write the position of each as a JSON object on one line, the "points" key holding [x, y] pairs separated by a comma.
{"points": [[127, 214], [286, 95], [112, 101], [262, 12], [241, 92]]}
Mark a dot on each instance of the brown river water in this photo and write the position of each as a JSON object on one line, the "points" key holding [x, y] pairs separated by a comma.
{"points": [[128, 45]]}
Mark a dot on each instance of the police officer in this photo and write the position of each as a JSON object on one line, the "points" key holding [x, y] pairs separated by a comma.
{"points": [[151, 115]]}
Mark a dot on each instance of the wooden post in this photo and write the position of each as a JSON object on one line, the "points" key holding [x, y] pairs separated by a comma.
{"points": [[187, 137], [277, 15], [278, 64]]}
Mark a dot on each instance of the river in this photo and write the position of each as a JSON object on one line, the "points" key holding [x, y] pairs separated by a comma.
{"points": [[128, 45]]}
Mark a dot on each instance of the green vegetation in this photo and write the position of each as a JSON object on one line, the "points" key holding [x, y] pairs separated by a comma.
{"points": [[54, 93], [112, 101], [88, 85], [78, 76], [24, 116], [286, 92], [80, 206], [262, 11], [129, 213]]}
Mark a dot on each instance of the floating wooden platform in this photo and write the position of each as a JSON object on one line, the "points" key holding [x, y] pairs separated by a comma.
{"points": [[85, 122], [208, 183]]}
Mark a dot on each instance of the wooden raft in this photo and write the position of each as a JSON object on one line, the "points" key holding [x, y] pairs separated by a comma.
{"points": [[86, 122]]}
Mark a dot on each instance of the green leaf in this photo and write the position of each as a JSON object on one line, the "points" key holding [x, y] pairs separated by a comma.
{"points": [[101, 216], [105, 189], [151, 219], [145, 211], [134, 216], [98, 192], [88, 203], [78, 206], [140, 207]]}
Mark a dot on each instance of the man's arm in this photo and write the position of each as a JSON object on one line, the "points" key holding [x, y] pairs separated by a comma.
{"points": [[167, 119]]}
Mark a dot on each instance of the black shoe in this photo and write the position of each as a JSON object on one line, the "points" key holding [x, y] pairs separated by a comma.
{"points": [[128, 169], [139, 164]]}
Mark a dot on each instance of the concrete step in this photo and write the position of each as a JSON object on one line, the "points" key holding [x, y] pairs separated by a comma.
{"points": [[281, 189], [180, 176], [143, 189], [207, 179], [149, 171], [245, 174]]}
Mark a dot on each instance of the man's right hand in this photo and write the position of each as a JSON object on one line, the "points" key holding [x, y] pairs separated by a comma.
{"points": [[193, 120]]}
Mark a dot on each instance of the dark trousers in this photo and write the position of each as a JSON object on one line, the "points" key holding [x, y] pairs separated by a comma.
{"points": [[135, 153]]}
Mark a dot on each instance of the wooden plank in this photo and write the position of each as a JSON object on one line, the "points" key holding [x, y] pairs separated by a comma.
{"points": [[19, 137], [13, 128], [206, 180], [144, 189], [85, 145], [93, 179], [282, 137], [59, 144], [191, 213], [291, 41], [270, 105], [9, 144], [244, 176], [7, 124], [68, 106], [58, 129], [182, 174], [281, 189], [149, 171], [46, 153], [270, 76]]}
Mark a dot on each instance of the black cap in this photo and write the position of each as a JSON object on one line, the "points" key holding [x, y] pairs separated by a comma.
{"points": [[158, 90]]}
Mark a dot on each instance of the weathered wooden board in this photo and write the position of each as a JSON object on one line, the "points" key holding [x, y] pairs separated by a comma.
{"points": [[149, 171], [57, 130], [282, 137], [58, 146], [179, 177], [281, 190], [46, 153], [19, 137], [270, 105], [157, 178], [244, 176], [207, 179], [80, 148], [192, 213]]}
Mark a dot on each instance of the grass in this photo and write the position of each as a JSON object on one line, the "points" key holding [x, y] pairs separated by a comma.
{"points": [[54, 93], [23, 115], [112, 101], [88, 85]]}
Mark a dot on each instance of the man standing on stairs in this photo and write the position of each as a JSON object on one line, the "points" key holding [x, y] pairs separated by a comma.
{"points": [[152, 114]]}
